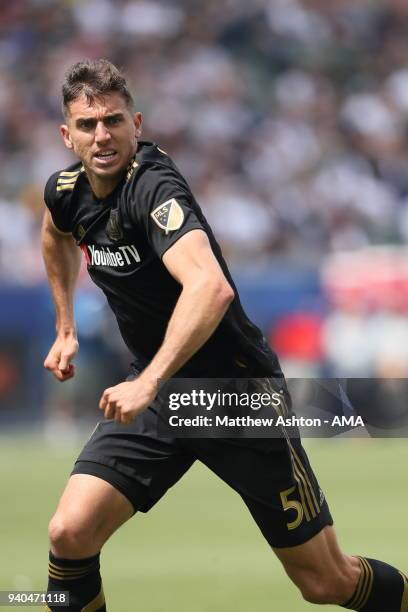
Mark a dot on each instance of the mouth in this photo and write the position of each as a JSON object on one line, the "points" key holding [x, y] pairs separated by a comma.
{"points": [[105, 157]]}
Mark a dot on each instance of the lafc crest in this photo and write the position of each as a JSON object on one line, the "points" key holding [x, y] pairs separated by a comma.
{"points": [[113, 229], [169, 215]]}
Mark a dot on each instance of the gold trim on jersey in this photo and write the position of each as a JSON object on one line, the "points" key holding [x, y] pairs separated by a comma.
{"points": [[131, 168], [302, 491], [309, 503], [70, 173], [301, 470], [67, 179], [308, 500]]}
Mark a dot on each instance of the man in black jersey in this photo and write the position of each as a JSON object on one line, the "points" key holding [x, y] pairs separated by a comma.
{"points": [[149, 248]]}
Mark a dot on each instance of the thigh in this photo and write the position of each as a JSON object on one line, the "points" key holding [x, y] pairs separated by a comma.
{"points": [[134, 460], [276, 482]]}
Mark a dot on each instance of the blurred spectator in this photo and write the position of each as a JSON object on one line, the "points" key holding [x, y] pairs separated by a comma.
{"points": [[288, 117], [297, 340], [277, 95]]}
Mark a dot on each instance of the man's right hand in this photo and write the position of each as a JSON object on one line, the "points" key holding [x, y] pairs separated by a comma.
{"points": [[58, 360]]}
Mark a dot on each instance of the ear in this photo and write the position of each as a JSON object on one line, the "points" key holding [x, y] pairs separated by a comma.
{"points": [[137, 120], [64, 131]]}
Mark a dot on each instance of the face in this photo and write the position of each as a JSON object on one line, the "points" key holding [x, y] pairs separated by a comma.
{"points": [[103, 135]]}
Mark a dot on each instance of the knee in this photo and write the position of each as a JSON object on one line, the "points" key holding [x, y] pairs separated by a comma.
{"points": [[69, 536]]}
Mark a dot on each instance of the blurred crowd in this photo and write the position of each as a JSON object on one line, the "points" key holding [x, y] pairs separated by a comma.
{"points": [[288, 117]]}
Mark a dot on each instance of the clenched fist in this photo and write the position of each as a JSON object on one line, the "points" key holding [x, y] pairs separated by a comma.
{"points": [[124, 401]]}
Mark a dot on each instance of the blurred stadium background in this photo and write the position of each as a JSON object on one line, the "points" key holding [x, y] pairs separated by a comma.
{"points": [[289, 118]]}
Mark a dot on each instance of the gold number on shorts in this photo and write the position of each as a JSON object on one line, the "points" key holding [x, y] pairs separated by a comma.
{"points": [[289, 504]]}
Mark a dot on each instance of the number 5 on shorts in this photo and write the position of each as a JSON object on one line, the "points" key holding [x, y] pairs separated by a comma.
{"points": [[289, 504]]}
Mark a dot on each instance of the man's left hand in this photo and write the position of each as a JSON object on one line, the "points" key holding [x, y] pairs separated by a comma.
{"points": [[124, 401]]}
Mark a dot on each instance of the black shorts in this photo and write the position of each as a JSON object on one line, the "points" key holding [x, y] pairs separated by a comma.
{"points": [[272, 475]]}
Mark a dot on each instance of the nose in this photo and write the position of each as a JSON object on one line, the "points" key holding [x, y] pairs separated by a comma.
{"points": [[102, 135]]}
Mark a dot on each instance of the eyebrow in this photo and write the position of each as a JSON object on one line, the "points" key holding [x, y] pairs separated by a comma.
{"points": [[93, 119]]}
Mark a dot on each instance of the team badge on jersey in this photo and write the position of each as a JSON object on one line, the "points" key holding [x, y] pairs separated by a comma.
{"points": [[79, 232], [169, 215], [113, 229]]}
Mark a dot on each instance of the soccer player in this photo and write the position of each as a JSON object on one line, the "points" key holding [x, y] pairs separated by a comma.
{"points": [[150, 249]]}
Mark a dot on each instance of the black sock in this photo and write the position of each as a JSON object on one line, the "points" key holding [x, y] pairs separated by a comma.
{"points": [[81, 578], [381, 588]]}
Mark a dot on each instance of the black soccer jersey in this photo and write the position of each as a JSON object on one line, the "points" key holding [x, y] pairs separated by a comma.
{"points": [[123, 238]]}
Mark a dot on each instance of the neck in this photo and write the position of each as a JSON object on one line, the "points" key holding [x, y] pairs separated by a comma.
{"points": [[102, 189]]}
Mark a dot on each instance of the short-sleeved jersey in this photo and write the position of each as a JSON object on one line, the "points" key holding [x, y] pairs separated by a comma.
{"points": [[123, 238]]}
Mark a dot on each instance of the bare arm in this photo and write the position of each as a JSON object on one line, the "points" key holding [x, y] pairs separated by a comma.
{"points": [[62, 260], [204, 299]]}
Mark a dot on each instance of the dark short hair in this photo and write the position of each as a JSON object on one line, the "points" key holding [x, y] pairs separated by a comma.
{"points": [[93, 78]]}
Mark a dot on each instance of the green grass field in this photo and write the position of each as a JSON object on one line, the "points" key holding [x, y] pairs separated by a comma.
{"points": [[198, 550]]}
